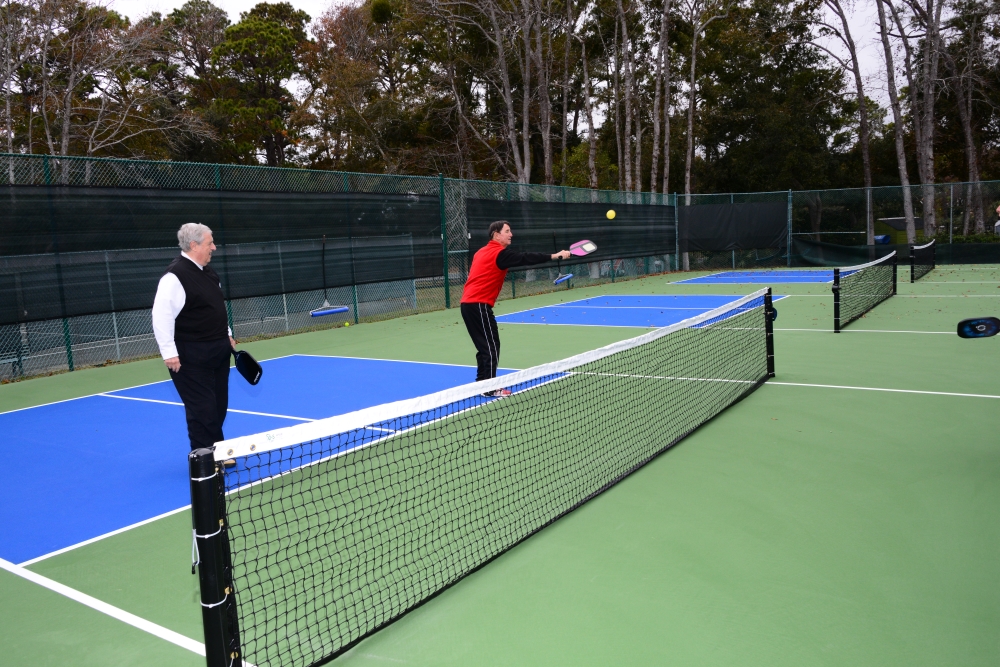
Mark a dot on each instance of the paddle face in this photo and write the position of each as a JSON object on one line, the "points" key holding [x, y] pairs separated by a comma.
{"points": [[332, 310], [582, 248], [248, 366], [979, 327], [563, 277]]}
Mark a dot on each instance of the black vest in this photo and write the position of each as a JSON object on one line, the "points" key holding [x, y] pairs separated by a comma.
{"points": [[203, 317]]}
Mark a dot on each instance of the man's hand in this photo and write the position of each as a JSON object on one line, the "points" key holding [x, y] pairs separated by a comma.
{"points": [[232, 342], [562, 254], [173, 363]]}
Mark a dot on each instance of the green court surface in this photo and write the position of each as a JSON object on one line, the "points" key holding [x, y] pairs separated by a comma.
{"points": [[817, 522]]}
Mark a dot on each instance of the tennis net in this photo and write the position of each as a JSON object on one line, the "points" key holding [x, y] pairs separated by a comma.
{"points": [[921, 260], [314, 536], [858, 289]]}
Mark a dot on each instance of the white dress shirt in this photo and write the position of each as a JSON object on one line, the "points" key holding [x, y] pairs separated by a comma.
{"points": [[170, 299]]}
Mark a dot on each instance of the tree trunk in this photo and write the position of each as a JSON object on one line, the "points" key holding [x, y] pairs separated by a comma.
{"points": [[565, 132], [591, 134], [626, 56], [689, 156], [658, 98], [963, 103], [897, 116], [863, 128]]}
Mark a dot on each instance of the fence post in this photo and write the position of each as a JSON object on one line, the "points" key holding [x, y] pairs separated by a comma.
{"points": [[217, 172], [111, 296], [444, 242], [788, 241], [951, 212], [67, 338]]}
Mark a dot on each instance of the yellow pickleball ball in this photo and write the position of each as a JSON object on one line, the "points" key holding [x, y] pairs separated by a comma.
{"points": [[347, 324], [611, 214]]}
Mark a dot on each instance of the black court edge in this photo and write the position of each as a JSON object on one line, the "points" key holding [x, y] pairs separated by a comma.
{"points": [[304, 550], [922, 260], [858, 289]]}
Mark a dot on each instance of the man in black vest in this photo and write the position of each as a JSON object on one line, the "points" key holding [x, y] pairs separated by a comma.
{"points": [[192, 330]]}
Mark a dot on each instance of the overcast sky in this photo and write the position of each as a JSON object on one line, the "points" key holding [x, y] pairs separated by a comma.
{"points": [[864, 28]]}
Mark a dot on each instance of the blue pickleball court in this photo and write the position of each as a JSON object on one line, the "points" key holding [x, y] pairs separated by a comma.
{"points": [[100, 463], [647, 311], [763, 277]]}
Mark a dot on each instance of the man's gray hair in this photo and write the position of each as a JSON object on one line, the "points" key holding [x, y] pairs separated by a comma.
{"points": [[191, 232]]}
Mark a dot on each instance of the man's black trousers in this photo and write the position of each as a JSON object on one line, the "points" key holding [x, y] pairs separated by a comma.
{"points": [[482, 328], [203, 383]]}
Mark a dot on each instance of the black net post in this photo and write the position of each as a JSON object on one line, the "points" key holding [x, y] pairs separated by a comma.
{"points": [[895, 259], [211, 555], [913, 265], [836, 300], [769, 329]]}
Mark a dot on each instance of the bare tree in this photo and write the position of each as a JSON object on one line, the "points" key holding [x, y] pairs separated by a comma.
{"points": [[700, 14], [897, 116], [965, 59], [842, 32], [589, 104], [921, 57], [661, 103]]}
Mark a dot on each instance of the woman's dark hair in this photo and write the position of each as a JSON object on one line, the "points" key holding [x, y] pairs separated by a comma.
{"points": [[496, 227]]}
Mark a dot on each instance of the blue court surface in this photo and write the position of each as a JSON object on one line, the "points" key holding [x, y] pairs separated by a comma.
{"points": [[763, 277], [85, 467], [653, 310]]}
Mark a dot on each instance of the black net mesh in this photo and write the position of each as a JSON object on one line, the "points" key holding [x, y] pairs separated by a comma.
{"points": [[335, 536], [921, 260], [858, 289]]}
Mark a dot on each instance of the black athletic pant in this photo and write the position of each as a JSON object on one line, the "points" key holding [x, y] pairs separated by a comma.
{"points": [[203, 383], [482, 328]]}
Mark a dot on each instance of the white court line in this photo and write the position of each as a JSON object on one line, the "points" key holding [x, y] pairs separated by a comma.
{"points": [[958, 282], [146, 384], [242, 412], [101, 537], [899, 391], [105, 608], [947, 333]]}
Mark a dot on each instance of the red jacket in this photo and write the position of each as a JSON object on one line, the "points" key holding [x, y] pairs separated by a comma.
{"points": [[489, 270]]}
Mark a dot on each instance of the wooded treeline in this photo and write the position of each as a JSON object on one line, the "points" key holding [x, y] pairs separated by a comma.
{"points": [[654, 95]]}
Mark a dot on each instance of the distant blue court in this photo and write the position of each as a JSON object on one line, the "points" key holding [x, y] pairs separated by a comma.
{"points": [[648, 311], [763, 277], [89, 466]]}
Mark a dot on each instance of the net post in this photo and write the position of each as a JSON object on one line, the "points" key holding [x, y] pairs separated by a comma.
{"points": [[913, 266], [836, 300], [895, 260], [211, 552], [769, 330], [444, 241]]}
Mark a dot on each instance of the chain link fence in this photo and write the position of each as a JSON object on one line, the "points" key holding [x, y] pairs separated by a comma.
{"points": [[824, 226]]}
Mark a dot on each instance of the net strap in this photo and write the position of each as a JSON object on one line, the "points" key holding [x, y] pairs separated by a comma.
{"points": [[880, 260], [300, 433]]}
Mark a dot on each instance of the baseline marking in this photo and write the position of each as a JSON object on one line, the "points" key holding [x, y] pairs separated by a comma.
{"points": [[105, 608], [899, 391]]}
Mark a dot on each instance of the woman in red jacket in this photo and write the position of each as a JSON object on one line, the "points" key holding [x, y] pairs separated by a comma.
{"points": [[486, 276]]}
